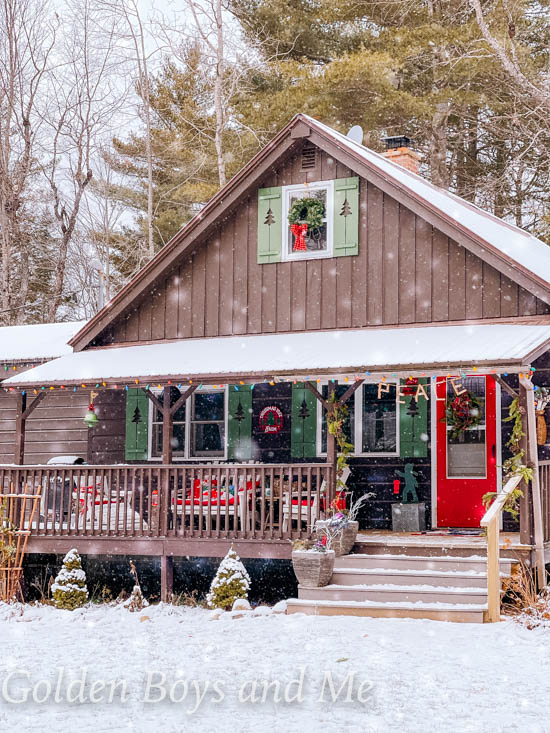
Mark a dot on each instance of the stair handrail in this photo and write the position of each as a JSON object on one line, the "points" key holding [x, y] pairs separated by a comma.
{"points": [[491, 522]]}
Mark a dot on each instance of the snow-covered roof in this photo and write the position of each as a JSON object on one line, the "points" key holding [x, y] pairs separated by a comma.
{"points": [[347, 351], [36, 342], [520, 246]]}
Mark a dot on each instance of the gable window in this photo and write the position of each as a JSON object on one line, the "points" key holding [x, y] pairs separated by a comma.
{"points": [[199, 426], [319, 241], [372, 423]]}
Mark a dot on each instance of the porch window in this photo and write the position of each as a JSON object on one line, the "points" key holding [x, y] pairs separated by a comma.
{"points": [[466, 450], [208, 424], [198, 427], [379, 421], [318, 242], [372, 422]]}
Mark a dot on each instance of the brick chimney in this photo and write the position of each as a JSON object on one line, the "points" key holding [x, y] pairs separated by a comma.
{"points": [[398, 150]]}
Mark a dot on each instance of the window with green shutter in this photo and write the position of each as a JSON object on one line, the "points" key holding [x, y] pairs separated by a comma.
{"points": [[137, 424], [413, 424], [270, 229], [336, 236], [239, 422], [346, 216], [304, 422]]}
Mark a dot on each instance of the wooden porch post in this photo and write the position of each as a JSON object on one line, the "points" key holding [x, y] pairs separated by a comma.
{"points": [[166, 578], [167, 427], [23, 412], [19, 447], [332, 456], [527, 400]]}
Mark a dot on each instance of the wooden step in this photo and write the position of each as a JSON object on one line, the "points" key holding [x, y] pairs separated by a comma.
{"points": [[449, 563], [386, 593], [458, 613], [374, 576]]}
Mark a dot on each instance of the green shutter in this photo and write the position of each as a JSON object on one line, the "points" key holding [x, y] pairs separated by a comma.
{"points": [[413, 441], [270, 225], [137, 424], [304, 430], [346, 216], [239, 432]]}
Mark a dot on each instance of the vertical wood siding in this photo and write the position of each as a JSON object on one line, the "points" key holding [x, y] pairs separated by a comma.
{"points": [[406, 272]]}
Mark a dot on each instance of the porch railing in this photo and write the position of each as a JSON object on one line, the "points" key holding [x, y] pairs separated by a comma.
{"points": [[231, 501]]}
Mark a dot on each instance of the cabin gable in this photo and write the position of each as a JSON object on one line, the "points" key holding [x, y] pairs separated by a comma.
{"points": [[405, 272]]}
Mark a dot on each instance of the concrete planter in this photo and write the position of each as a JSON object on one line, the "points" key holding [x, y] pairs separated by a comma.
{"points": [[343, 544], [408, 517], [313, 569]]}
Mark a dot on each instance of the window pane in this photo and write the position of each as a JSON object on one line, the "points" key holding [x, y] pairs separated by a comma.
{"points": [[466, 452], [348, 422], [208, 439], [379, 420], [209, 406], [178, 440], [156, 441], [316, 239]]}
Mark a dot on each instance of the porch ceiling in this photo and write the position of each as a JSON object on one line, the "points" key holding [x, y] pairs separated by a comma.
{"points": [[350, 352]]}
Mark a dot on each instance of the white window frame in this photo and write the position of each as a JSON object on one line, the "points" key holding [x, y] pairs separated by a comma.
{"points": [[286, 192], [358, 423], [187, 447]]}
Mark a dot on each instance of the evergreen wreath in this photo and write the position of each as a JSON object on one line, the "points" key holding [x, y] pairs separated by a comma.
{"points": [[307, 211], [462, 412]]}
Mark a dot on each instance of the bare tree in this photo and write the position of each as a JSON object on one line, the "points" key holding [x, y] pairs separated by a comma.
{"points": [[219, 38], [506, 53], [133, 30], [80, 111], [28, 34]]}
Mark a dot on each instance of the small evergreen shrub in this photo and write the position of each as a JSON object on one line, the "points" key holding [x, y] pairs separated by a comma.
{"points": [[69, 588], [230, 582]]}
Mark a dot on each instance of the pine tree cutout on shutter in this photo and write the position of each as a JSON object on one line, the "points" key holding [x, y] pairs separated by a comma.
{"points": [[346, 216], [137, 425], [413, 428], [303, 442], [270, 225], [239, 422]]}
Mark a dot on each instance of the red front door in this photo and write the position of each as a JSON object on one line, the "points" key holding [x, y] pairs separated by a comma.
{"points": [[466, 458]]}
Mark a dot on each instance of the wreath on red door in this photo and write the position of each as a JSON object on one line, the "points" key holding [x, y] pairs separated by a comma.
{"points": [[462, 412]]}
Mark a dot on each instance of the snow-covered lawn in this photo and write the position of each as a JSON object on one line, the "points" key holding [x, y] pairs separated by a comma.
{"points": [[400, 675]]}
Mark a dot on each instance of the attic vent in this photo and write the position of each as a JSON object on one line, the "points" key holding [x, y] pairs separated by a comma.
{"points": [[309, 157]]}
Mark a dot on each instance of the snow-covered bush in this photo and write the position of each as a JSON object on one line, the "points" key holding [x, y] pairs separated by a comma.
{"points": [[136, 602], [230, 582], [69, 588]]}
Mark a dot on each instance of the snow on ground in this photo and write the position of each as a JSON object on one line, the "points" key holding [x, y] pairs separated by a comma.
{"points": [[405, 675]]}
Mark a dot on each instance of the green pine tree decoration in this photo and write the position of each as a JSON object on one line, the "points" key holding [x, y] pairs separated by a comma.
{"points": [[69, 588], [230, 582]]}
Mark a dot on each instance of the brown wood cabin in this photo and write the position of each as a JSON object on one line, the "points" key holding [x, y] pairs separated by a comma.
{"points": [[232, 341]]}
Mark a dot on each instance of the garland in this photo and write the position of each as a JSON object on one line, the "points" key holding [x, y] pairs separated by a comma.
{"points": [[336, 417], [462, 412], [307, 211], [513, 466]]}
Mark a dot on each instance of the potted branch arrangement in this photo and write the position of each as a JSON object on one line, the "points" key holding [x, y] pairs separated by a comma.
{"points": [[313, 561]]}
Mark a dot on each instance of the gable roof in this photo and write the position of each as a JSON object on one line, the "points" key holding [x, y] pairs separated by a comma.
{"points": [[37, 342], [512, 251]]}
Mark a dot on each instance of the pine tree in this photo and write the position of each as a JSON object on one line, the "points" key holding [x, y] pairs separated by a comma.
{"points": [[230, 582], [69, 588]]}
